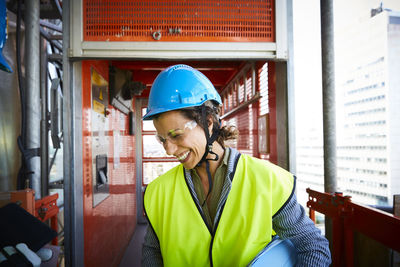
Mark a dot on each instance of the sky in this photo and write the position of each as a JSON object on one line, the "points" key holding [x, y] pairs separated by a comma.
{"points": [[307, 65], [307, 54]]}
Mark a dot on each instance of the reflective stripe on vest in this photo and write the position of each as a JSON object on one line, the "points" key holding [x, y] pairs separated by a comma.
{"points": [[259, 190]]}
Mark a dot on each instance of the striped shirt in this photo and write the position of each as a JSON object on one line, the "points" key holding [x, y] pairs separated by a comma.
{"points": [[291, 222]]}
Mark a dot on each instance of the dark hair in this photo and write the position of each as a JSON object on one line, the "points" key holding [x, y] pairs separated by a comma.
{"points": [[212, 110]]}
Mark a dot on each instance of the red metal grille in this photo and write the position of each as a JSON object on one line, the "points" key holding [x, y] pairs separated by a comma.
{"points": [[245, 142], [245, 117], [179, 20]]}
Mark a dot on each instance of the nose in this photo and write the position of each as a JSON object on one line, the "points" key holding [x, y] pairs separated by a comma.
{"points": [[169, 147]]}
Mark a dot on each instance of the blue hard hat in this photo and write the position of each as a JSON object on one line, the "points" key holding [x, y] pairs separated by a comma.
{"points": [[277, 253], [3, 36], [177, 87]]}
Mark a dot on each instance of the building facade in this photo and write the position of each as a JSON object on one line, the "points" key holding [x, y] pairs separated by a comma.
{"points": [[368, 148], [367, 49]]}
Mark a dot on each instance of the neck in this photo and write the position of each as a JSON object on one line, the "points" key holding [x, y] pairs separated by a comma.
{"points": [[201, 170]]}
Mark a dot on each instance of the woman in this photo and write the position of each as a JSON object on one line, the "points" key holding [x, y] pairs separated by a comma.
{"points": [[218, 207]]}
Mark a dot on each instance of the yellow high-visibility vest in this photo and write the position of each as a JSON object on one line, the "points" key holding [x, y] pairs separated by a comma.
{"points": [[259, 190]]}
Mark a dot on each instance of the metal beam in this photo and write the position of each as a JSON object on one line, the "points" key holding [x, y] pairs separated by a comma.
{"points": [[290, 92], [47, 36], [72, 141], [169, 51], [160, 65], [49, 25], [282, 125], [139, 104]]}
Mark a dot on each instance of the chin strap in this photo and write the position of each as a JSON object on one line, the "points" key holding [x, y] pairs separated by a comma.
{"points": [[208, 150]]}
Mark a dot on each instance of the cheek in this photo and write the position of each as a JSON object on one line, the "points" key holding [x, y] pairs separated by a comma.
{"points": [[196, 140]]}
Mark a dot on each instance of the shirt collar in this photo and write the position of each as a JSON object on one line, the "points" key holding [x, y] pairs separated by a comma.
{"points": [[226, 156]]}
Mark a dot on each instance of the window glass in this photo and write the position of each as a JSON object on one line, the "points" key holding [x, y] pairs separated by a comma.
{"points": [[151, 170], [147, 125], [152, 148]]}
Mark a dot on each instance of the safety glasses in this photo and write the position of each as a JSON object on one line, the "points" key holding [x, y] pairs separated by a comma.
{"points": [[174, 136]]}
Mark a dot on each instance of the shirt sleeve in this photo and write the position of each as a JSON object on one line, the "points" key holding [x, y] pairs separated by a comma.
{"points": [[151, 252], [291, 222]]}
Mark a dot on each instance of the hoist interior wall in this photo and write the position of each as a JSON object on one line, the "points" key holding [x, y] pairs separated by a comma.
{"points": [[179, 20], [248, 92], [109, 225]]}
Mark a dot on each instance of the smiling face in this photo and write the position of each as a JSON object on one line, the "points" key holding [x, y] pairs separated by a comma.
{"points": [[188, 141]]}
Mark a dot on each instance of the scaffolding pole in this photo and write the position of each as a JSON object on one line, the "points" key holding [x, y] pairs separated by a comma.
{"points": [[328, 95], [44, 127], [328, 105], [33, 104]]}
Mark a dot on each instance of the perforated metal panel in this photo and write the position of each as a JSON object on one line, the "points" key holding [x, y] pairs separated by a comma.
{"points": [[109, 226], [178, 20]]}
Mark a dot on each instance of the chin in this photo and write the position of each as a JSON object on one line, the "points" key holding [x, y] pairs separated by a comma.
{"points": [[188, 165]]}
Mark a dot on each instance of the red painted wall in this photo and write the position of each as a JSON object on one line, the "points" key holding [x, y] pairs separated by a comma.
{"points": [[109, 226]]}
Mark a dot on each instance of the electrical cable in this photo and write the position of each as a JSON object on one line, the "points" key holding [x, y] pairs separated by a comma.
{"points": [[21, 138]]}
